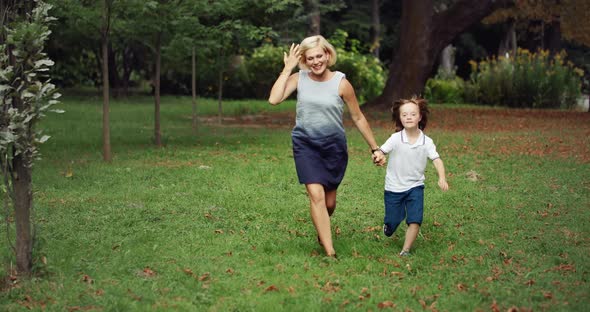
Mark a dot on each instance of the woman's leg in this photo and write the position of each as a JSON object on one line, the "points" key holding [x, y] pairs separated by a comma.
{"points": [[320, 216], [331, 201]]}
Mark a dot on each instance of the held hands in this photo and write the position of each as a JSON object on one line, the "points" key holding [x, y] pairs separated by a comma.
{"points": [[379, 158], [292, 59]]}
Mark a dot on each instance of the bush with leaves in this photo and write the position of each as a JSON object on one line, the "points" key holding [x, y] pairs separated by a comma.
{"points": [[365, 72], [444, 88], [531, 80], [262, 68], [26, 93]]}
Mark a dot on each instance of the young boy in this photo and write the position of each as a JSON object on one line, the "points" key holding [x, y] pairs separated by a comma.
{"points": [[409, 150]]}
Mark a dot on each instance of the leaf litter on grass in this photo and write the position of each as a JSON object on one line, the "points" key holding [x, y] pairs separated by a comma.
{"points": [[517, 131], [511, 133]]}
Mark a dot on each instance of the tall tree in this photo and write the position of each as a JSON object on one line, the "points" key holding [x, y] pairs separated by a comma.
{"points": [[191, 37], [26, 94], [424, 33], [154, 27], [548, 21], [104, 32], [314, 17], [375, 27]]}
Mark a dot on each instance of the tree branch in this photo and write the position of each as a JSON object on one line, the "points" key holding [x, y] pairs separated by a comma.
{"points": [[450, 23]]}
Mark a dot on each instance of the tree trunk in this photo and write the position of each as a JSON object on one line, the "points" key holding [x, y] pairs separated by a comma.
{"points": [[194, 88], [508, 44], [314, 16], [23, 204], [21, 173], [423, 35], [553, 37], [106, 132], [128, 55], [375, 28], [157, 133], [114, 80], [220, 97]]}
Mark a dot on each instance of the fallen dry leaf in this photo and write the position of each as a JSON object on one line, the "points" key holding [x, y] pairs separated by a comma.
{"points": [[461, 287], [330, 287], [494, 307], [473, 176], [386, 304], [205, 276], [372, 229], [422, 303], [344, 303], [147, 271], [87, 279]]}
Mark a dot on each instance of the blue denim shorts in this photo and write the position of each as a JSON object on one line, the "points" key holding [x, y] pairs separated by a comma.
{"points": [[408, 205]]}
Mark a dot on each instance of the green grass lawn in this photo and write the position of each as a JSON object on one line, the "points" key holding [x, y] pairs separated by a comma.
{"points": [[216, 220]]}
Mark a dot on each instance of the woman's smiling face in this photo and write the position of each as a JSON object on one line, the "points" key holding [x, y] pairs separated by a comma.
{"points": [[317, 60]]}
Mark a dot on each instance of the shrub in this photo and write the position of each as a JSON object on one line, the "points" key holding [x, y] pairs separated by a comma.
{"points": [[364, 72], [444, 88], [263, 67], [532, 80]]}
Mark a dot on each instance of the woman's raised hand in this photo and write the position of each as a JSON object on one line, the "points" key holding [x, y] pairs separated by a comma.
{"points": [[292, 59]]}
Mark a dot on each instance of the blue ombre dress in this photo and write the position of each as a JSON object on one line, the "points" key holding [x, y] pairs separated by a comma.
{"points": [[319, 140]]}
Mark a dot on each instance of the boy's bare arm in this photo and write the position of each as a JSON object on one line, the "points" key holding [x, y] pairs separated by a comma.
{"points": [[440, 169]]}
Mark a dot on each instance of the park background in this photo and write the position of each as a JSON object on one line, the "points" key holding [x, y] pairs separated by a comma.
{"points": [[185, 197]]}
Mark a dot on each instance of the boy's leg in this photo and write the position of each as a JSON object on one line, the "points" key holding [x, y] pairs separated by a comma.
{"points": [[395, 211], [411, 235], [415, 207]]}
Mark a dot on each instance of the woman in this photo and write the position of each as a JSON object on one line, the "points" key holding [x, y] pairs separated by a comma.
{"points": [[319, 141]]}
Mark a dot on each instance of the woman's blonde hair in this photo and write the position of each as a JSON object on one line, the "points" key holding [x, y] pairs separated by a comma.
{"points": [[314, 42]]}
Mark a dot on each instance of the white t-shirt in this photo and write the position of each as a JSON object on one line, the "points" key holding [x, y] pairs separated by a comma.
{"points": [[407, 162]]}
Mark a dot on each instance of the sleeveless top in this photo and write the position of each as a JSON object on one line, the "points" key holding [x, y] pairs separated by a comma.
{"points": [[319, 107]]}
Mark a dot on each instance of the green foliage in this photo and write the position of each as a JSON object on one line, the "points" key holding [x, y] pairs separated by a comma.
{"points": [[537, 80], [263, 68], [25, 90], [364, 71], [443, 89]]}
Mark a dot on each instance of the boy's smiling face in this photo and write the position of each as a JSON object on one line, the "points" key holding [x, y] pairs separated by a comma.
{"points": [[409, 114]]}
